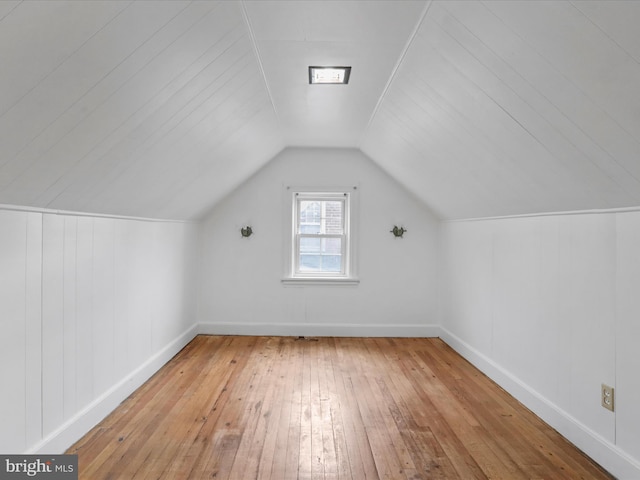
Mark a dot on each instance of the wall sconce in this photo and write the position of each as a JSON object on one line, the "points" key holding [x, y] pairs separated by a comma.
{"points": [[398, 232], [246, 231]]}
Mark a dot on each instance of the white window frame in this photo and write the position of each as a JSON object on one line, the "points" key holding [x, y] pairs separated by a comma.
{"points": [[348, 274]]}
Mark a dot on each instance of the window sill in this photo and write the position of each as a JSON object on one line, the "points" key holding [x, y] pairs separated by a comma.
{"points": [[334, 281]]}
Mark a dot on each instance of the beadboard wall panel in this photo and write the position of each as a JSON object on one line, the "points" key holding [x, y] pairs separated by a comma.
{"points": [[86, 302], [547, 306]]}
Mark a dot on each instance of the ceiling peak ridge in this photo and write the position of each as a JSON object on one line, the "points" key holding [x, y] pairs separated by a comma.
{"points": [[419, 23], [256, 51]]}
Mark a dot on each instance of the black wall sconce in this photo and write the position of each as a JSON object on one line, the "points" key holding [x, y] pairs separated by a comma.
{"points": [[398, 232], [246, 231]]}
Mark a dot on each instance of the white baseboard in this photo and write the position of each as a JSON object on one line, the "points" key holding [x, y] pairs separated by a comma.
{"points": [[319, 330], [616, 461], [73, 429], [607, 454]]}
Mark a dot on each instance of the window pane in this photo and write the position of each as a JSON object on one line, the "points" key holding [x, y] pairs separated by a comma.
{"points": [[333, 217], [310, 211], [310, 217], [320, 255], [321, 216], [332, 263], [310, 263], [331, 254], [309, 228], [310, 245], [332, 245]]}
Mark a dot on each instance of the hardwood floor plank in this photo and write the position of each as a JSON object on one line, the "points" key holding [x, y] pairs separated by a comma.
{"points": [[424, 447], [250, 452], [281, 408], [361, 462], [328, 404], [190, 416], [317, 421], [336, 413], [510, 417], [125, 431], [305, 465], [372, 408], [479, 444], [210, 440], [214, 387], [292, 455], [272, 458]]}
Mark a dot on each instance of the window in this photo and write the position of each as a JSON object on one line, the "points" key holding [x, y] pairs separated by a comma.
{"points": [[321, 241]]}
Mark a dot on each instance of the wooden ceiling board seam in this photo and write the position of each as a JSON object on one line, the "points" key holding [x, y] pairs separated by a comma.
{"points": [[560, 183], [69, 52], [89, 112], [439, 197], [414, 164], [156, 142], [148, 64], [562, 151], [456, 156], [461, 119], [225, 130], [11, 120], [168, 93], [116, 126], [444, 108], [592, 151], [604, 31], [567, 127], [136, 143], [460, 123], [614, 71], [9, 8], [196, 143], [427, 165], [395, 69], [413, 138], [200, 193], [256, 50], [151, 168], [480, 186], [617, 20], [138, 175], [198, 134], [575, 86], [488, 118], [217, 180]]}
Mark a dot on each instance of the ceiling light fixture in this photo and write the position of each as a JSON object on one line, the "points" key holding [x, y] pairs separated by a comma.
{"points": [[329, 75]]}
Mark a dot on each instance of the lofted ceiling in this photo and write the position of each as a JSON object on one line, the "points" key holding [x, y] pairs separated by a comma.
{"points": [[161, 108]]}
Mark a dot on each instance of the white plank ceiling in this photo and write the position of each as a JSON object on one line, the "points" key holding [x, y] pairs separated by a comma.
{"points": [[161, 108]]}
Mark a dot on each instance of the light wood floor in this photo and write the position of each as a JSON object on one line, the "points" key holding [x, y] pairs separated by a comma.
{"points": [[328, 408]]}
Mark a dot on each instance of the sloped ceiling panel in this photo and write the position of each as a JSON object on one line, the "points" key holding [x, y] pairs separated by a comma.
{"points": [[161, 108], [152, 108], [503, 108]]}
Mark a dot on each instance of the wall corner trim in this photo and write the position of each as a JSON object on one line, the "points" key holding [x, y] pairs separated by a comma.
{"points": [[607, 454]]}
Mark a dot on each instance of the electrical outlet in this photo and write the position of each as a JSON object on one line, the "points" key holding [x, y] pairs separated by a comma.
{"points": [[606, 397]]}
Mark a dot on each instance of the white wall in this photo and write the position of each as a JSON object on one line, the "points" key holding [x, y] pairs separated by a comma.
{"points": [[89, 308], [241, 290], [548, 306]]}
